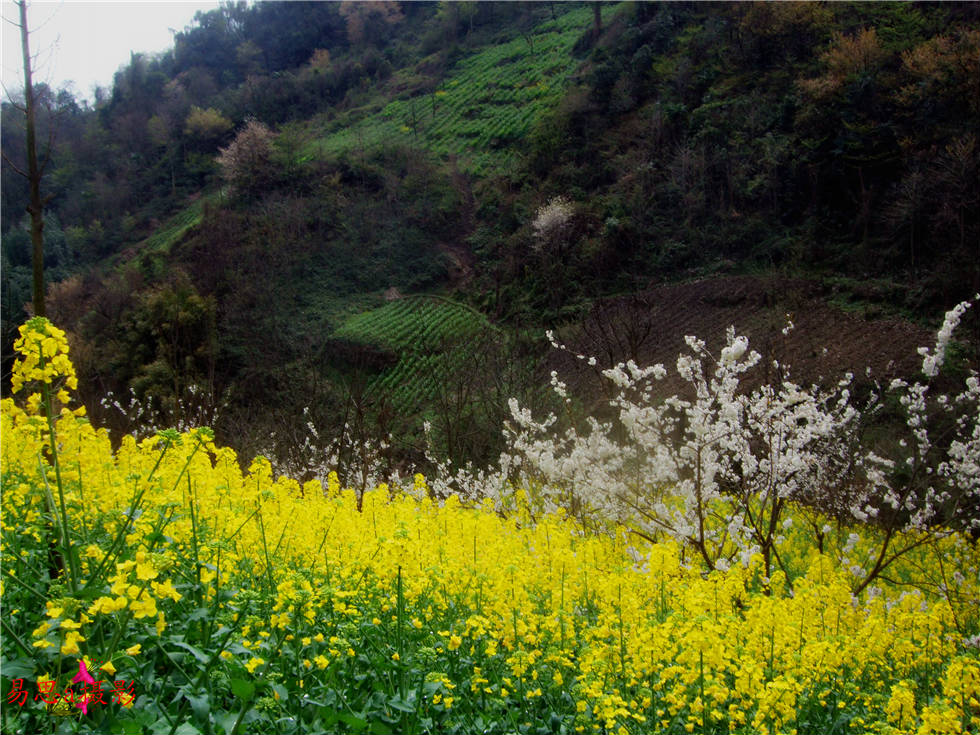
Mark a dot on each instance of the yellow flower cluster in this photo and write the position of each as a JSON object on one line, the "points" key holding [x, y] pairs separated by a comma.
{"points": [[44, 360], [502, 609], [958, 710]]}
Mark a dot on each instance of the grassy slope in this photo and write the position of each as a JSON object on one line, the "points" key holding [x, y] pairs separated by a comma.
{"points": [[175, 228], [484, 106]]}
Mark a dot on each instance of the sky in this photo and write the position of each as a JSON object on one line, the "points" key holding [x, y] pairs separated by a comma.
{"points": [[86, 42]]}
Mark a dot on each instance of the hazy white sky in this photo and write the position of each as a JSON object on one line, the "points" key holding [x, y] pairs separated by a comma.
{"points": [[86, 42]]}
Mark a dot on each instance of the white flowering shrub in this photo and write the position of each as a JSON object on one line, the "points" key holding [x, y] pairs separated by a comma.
{"points": [[716, 467], [552, 220], [246, 162], [343, 459], [145, 417]]}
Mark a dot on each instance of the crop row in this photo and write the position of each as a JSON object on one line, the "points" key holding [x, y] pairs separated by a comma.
{"points": [[489, 98], [431, 336], [413, 381], [417, 322]]}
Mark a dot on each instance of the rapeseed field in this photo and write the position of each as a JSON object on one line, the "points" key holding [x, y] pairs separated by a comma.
{"points": [[158, 587]]}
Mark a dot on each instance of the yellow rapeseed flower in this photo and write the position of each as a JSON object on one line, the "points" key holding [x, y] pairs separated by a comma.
{"points": [[631, 629], [70, 646], [144, 607], [145, 570], [44, 356], [166, 589], [40, 630]]}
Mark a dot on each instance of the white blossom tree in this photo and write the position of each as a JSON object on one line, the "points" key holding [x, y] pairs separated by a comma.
{"points": [[717, 467], [552, 223], [246, 163]]}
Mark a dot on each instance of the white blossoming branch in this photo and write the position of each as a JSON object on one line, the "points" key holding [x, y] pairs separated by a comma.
{"points": [[717, 466]]}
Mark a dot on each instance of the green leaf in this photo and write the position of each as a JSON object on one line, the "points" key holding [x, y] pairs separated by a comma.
{"points": [[314, 703], [198, 614], [200, 704], [19, 668], [226, 721], [280, 690], [243, 689], [197, 653], [328, 716], [400, 704], [355, 723], [186, 728], [131, 727]]}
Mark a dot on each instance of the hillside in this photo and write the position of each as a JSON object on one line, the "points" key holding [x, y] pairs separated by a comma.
{"points": [[825, 340], [225, 222], [484, 105]]}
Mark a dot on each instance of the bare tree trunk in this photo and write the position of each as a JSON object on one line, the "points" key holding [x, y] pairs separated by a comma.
{"points": [[36, 207]]}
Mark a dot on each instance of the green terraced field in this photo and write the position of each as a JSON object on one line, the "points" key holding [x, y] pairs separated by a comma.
{"points": [[432, 337], [487, 101]]}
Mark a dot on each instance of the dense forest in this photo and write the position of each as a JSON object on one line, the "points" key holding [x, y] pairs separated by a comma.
{"points": [[312, 209]]}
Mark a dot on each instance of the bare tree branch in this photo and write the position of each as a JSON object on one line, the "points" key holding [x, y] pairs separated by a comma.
{"points": [[14, 166]]}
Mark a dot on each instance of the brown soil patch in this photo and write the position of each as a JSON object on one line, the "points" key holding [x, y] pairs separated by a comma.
{"points": [[824, 344]]}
